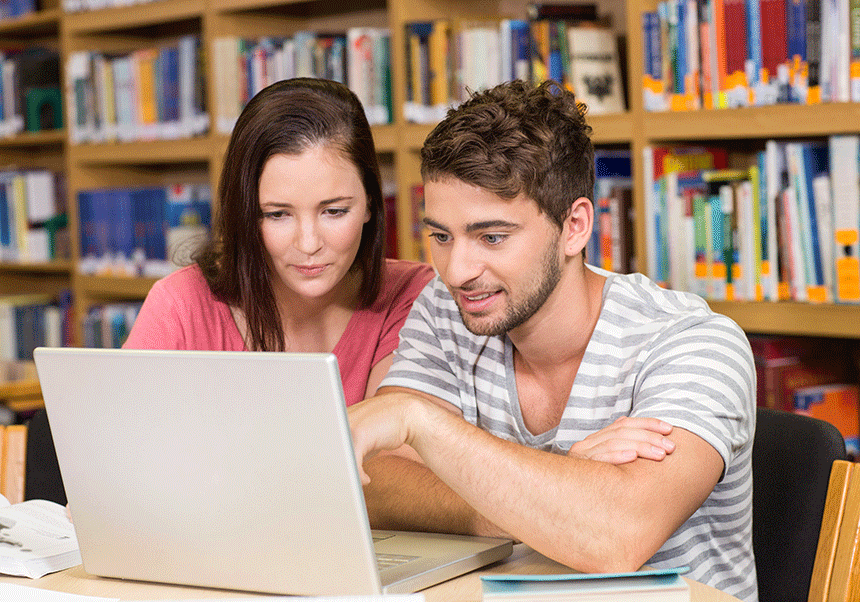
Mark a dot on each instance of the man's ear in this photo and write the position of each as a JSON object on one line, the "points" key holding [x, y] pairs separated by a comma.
{"points": [[578, 226]]}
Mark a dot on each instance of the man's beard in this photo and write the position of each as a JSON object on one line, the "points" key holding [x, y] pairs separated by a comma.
{"points": [[520, 312]]}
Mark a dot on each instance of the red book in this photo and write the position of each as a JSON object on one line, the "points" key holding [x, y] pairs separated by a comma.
{"points": [[785, 364], [774, 44], [736, 35]]}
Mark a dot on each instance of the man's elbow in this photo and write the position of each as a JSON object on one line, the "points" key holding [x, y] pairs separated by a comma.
{"points": [[621, 549]]}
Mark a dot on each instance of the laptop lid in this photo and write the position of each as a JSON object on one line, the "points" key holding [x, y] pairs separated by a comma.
{"points": [[221, 469]]}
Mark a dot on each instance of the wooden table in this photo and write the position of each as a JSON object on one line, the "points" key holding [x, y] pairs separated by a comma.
{"points": [[462, 589], [19, 386]]}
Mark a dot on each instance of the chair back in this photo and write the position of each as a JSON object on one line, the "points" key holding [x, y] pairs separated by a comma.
{"points": [[792, 458]]}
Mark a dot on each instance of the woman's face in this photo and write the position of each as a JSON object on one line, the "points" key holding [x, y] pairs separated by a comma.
{"points": [[313, 209]]}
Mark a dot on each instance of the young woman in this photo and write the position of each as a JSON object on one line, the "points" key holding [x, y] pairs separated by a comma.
{"points": [[296, 261]]}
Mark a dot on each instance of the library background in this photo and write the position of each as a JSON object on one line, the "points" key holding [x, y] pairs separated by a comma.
{"points": [[727, 159]]}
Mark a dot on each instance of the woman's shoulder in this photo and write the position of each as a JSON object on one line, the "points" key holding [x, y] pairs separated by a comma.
{"points": [[402, 275], [186, 282]]}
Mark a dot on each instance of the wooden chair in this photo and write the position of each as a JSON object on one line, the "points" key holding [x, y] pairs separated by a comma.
{"points": [[836, 574]]}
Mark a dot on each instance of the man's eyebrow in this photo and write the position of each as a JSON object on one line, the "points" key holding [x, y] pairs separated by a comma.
{"points": [[477, 226], [433, 224]]}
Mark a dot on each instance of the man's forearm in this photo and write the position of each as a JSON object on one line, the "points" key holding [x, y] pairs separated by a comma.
{"points": [[406, 495]]}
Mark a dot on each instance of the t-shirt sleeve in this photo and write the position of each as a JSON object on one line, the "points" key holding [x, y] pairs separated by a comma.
{"points": [[423, 360], [157, 325], [702, 378], [408, 286]]}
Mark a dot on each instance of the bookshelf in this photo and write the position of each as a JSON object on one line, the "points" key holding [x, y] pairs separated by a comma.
{"points": [[740, 129], [198, 159]]}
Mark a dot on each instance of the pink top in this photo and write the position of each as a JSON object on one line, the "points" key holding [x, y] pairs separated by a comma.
{"points": [[180, 312]]}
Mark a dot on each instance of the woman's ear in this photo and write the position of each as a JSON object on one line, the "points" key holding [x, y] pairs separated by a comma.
{"points": [[577, 226]]}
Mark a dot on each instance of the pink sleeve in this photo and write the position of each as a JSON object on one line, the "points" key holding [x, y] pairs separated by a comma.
{"points": [[158, 325], [413, 282]]}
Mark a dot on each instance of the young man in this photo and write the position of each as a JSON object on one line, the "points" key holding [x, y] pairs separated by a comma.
{"points": [[518, 354]]}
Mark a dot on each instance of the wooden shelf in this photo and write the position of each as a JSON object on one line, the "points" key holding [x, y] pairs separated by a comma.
{"points": [[789, 318], [114, 287], [244, 5], [43, 22], [777, 121], [135, 16], [614, 128], [144, 153], [44, 138], [52, 267]]}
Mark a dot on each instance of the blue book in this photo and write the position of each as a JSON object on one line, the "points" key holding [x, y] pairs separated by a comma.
{"points": [[667, 585], [5, 232], [520, 40], [796, 28], [754, 52], [123, 230], [680, 8], [816, 160], [169, 64], [651, 41]]}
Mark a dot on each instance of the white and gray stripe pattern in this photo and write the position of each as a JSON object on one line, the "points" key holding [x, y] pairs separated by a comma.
{"points": [[653, 352]]}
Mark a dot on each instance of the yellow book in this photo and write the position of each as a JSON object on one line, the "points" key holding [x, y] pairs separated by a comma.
{"points": [[439, 67], [144, 61]]}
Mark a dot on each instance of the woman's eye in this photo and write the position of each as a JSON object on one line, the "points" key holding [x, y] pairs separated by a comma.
{"points": [[336, 211]]}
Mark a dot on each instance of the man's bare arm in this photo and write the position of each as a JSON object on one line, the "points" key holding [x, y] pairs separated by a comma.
{"points": [[590, 515]]}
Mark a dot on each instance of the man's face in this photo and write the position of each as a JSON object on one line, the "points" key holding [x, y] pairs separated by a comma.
{"points": [[500, 258]]}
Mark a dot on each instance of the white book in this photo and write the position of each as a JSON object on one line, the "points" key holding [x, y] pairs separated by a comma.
{"points": [[595, 67], [796, 259], [774, 173], [745, 289], [845, 185], [824, 215], [41, 196], [650, 207], [40, 536], [77, 73]]}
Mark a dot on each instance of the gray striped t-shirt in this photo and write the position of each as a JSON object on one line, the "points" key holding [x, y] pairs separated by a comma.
{"points": [[654, 352]]}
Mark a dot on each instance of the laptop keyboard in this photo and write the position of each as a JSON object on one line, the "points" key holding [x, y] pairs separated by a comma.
{"points": [[386, 561]]}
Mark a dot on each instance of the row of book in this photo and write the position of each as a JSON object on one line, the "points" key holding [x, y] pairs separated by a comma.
{"points": [[732, 53], [785, 227], [145, 231], [611, 246], [107, 326], [29, 91], [75, 6], [358, 58], [446, 58], [33, 224], [12, 9], [812, 376], [34, 320], [150, 93]]}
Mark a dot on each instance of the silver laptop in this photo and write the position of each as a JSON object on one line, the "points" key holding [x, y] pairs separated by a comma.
{"points": [[227, 470]]}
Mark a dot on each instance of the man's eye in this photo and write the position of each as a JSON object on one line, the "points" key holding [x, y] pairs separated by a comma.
{"points": [[440, 237], [494, 239]]}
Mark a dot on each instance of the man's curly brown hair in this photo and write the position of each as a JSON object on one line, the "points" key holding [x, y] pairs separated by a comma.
{"points": [[517, 138]]}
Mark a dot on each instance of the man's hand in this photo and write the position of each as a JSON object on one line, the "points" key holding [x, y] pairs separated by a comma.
{"points": [[625, 440], [381, 424]]}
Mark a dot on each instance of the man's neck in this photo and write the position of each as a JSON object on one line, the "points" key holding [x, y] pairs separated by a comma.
{"points": [[559, 332]]}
